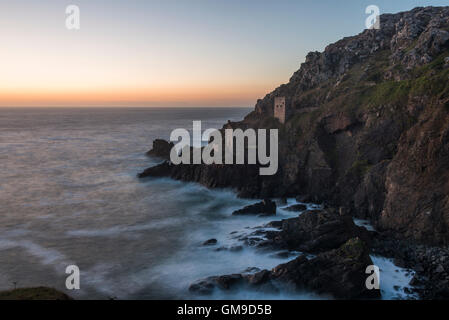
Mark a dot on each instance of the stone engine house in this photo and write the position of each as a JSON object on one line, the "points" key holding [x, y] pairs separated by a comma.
{"points": [[280, 109]]}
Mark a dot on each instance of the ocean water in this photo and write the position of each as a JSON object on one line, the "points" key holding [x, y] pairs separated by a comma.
{"points": [[69, 196]]}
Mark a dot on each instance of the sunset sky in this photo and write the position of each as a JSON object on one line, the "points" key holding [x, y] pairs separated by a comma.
{"points": [[166, 53]]}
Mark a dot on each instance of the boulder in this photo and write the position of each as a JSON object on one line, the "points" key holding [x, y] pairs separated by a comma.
{"points": [[296, 208], [38, 293], [206, 286], [210, 242], [339, 272], [317, 231], [267, 208]]}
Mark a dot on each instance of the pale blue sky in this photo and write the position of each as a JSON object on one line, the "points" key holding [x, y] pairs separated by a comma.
{"points": [[166, 52]]}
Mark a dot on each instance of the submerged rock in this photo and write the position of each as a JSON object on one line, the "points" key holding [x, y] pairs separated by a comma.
{"points": [[210, 242], [206, 286], [39, 293], [266, 207], [304, 198], [296, 208]]}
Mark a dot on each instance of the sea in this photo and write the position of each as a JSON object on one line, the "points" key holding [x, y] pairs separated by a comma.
{"points": [[70, 196]]}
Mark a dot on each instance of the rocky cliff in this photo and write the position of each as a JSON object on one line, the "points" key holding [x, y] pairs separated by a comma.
{"points": [[368, 129]]}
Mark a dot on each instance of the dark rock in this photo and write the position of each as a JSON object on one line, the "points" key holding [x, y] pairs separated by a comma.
{"points": [[417, 181], [258, 278], [206, 286], [202, 287], [316, 231], [283, 201], [400, 262], [38, 293], [161, 149], [424, 260], [251, 270], [160, 170], [231, 249], [419, 268], [296, 208], [274, 224], [339, 272], [283, 254], [266, 207], [210, 242], [439, 269], [304, 199], [416, 281]]}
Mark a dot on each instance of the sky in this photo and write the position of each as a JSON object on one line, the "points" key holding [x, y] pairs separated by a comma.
{"points": [[167, 53]]}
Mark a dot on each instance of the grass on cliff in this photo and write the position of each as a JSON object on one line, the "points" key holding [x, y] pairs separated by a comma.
{"points": [[432, 79], [363, 89], [360, 167]]}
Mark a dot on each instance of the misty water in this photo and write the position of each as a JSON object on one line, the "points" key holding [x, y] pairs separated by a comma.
{"points": [[69, 196]]}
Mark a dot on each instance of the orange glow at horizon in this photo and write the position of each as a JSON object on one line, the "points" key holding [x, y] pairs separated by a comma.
{"points": [[127, 58]]}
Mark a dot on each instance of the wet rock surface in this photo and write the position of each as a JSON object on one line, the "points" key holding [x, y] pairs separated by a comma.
{"points": [[160, 170], [296, 208], [431, 265], [264, 208], [314, 231], [339, 272], [210, 242]]}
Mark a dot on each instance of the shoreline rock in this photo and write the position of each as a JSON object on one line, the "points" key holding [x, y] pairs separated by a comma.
{"points": [[38, 293], [339, 272], [161, 149], [315, 231], [265, 208], [210, 242], [296, 208]]}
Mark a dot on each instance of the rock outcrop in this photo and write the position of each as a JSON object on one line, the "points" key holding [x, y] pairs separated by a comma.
{"points": [[340, 273], [264, 208], [316, 231], [38, 293], [161, 149]]}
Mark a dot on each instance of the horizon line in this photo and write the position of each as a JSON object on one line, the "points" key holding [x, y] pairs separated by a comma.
{"points": [[124, 106]]}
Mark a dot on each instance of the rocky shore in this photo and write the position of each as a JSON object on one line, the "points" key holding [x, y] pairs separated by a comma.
{"points": [[367, 135], [39, 293]]}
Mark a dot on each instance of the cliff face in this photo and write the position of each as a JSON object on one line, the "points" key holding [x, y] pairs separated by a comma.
{"points": [[368, 128]]}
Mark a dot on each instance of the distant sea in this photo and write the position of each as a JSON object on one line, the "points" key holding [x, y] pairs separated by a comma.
{"points": [[69, 196]]}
